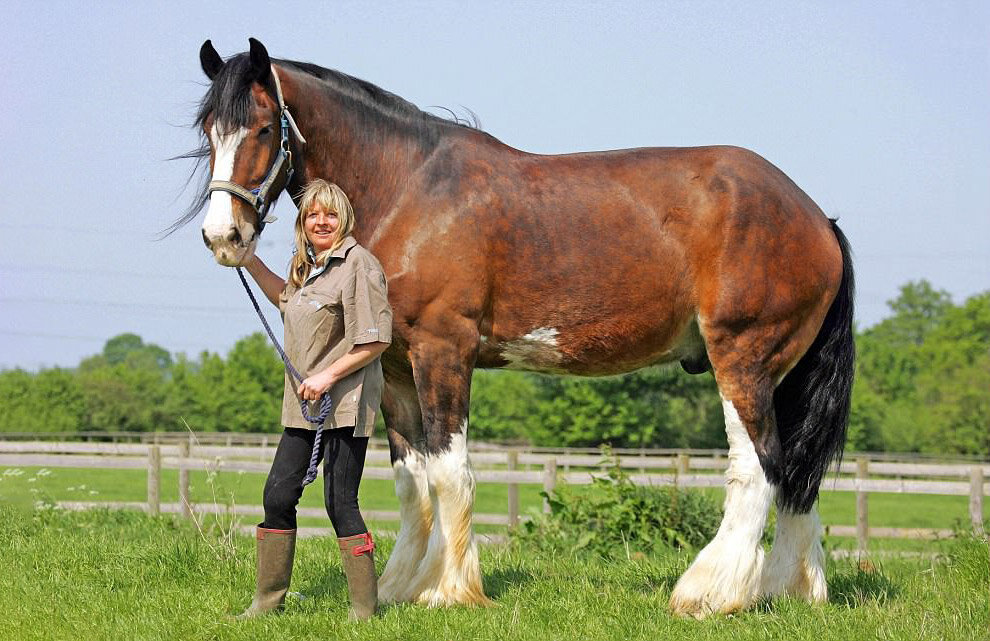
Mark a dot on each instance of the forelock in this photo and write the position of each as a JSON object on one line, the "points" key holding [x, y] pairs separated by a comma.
{"points": [[229, 97]]}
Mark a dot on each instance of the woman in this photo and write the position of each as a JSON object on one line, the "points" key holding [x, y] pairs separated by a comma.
{"points": [[337, 324]]}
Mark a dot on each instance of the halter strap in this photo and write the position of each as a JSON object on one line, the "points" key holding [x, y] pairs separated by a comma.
{"points": [[284, 110]]}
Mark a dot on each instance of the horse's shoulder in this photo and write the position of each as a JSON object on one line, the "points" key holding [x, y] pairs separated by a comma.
{"points": [[362, 258]]}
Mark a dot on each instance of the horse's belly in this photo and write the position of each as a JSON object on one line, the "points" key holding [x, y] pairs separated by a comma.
{"points": [[600, 348]]}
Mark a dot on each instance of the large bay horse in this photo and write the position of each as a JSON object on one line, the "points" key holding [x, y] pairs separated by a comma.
{"points": [[588, 264]]}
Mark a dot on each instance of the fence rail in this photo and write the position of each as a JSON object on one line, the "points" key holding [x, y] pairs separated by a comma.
{"points": [[511, 467]]}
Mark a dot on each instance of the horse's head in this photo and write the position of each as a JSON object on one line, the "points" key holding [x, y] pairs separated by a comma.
{"points": [[245, 121]]}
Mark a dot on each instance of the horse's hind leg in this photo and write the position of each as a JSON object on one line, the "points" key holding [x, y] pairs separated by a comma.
{"points": [[797, 561], [725, 576], [403, 421]]}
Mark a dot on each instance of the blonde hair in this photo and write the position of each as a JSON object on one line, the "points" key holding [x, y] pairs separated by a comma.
{"points": [[334, 200]]}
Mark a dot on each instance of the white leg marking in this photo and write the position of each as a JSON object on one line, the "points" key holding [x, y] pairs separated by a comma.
{"points": [[797, 561], [417, 519], [450, 572], [725, 577]]}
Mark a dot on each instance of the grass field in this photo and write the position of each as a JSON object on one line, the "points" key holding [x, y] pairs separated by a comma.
{"points": [[124, 575], [23, 487]]}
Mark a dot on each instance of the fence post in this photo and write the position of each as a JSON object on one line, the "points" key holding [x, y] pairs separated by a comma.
{"points": [[683, 464], [154, 479], [862, 510], [549, 480], [976, 498], [185, 507], [512, 461]]}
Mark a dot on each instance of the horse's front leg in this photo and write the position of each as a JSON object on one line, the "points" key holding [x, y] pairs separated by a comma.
{"points": [[403, 421], [450, 572]]}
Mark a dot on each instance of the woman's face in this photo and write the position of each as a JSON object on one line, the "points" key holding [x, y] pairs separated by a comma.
{"points": [[320, 227]]}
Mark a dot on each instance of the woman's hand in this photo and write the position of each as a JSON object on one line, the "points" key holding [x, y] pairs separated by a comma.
{"points": [[313, 387], [360, 355]]}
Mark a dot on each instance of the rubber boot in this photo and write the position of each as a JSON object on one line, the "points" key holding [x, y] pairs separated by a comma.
{"points": [[275, 551], [358, 558]]}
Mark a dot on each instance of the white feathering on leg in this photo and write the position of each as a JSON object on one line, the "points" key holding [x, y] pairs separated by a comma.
{"points": [[797, 561], [725, 577], [416, 512], [450, 572]]}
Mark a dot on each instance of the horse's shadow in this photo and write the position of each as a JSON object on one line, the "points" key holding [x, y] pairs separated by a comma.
{"points": [[500, 581], [850, 589], [333, 584], [861, 587]]}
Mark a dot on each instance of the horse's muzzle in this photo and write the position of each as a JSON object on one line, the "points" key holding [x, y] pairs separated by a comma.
{"points": [[230, 249]]}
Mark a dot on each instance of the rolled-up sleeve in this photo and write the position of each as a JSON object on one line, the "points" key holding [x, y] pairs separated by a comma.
{"points": [[367, 314], [283, 298]]}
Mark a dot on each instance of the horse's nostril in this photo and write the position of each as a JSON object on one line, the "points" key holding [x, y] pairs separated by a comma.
{"points": [[206, 240], [234, 236]]}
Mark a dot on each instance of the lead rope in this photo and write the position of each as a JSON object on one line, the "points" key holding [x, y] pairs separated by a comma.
{"points": [[325, 403]]}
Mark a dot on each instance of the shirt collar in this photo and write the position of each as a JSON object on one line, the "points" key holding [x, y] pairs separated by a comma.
{"points": [[340, 252]]}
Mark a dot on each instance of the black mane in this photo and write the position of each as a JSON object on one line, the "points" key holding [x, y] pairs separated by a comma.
{"points": [[229, 100]]}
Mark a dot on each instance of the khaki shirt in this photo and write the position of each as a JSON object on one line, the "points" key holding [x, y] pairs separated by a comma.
{"points": [[344, 305]]}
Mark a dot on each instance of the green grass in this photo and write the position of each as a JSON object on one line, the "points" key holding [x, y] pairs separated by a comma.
{"points": [[123, 575], [31, 484]]}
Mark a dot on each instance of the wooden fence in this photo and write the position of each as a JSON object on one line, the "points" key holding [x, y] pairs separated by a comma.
{"points": [[508, 466]]}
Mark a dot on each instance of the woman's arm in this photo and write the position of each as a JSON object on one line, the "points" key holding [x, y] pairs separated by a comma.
{"points": [[268, 281], [313, 387]]}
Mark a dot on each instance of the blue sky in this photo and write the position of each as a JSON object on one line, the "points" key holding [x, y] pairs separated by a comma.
{"points": [[879, 111]]}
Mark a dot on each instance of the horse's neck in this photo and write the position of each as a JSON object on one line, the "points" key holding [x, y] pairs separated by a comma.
{"points": [[371, 156]]}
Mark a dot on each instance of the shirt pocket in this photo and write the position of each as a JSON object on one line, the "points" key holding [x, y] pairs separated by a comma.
{"points": [[316, 318]]}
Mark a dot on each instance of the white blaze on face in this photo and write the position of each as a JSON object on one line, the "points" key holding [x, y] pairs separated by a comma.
{"points": [[219, 219]]}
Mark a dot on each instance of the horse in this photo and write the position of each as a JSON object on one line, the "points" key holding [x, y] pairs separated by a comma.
{"points": [[584, 264]]}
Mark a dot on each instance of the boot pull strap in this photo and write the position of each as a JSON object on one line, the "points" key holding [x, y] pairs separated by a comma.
{"points": [[368, 546]]}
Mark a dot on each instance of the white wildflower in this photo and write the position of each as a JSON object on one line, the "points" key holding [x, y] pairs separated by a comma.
{"points": [[13, 471], [43, 472]]}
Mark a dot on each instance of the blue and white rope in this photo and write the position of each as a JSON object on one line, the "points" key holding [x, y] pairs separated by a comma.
{"points": [[325, 403]]}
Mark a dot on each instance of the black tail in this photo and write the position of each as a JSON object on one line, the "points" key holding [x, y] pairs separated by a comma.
{"points": [[812, 402]]}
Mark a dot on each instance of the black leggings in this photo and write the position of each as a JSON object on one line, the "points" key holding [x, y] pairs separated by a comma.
{"points": [[343, 464]]}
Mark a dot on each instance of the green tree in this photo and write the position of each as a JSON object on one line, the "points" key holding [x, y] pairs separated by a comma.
{"points": [[49, 401], [504, 406], [241, 394]]}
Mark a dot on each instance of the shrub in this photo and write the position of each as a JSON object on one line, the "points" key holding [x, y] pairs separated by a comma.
{"points": [[615, 518]]}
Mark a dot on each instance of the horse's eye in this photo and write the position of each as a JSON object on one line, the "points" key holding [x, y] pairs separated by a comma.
{"points": [[265, 131]]}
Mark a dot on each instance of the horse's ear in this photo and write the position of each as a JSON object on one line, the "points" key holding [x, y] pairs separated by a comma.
{"points": [[210, 60], [261, 64]]}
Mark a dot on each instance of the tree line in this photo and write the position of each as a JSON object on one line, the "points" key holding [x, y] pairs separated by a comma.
{"points": [[922, 385]]}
